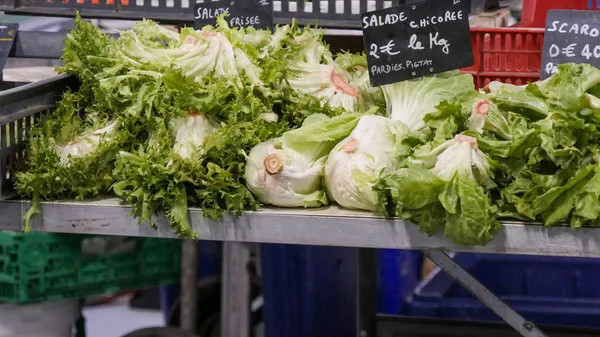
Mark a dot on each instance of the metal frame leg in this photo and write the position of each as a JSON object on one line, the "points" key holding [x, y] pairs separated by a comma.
{"points": [[235, 291], [445, 262], [366, 301], [189, 281]]}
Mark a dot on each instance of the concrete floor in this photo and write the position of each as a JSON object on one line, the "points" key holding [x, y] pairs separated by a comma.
{"points": [[117, 319]]}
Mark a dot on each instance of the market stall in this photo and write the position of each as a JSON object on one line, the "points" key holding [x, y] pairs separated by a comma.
{"points": [[528, 149]]}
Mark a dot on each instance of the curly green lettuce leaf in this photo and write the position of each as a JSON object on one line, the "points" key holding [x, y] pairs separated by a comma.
{"points": [[566, 89], [219, 183], [452, 196], [562, 196], [69, 157], [473, 221], [410, 101], [352, 62], [521, 102], [82, 45], [411, 188], [149, 186]]}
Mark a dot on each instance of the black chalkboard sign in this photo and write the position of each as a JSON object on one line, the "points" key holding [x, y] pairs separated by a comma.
{"points": [[571, 37], [241, 13], [416, 39], [8, 33]]}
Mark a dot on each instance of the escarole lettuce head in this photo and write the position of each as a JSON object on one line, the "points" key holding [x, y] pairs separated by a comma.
{"points": [[450, 196], [288, 171], [357, 163], [485, 116], [410, 101], [462, 157]]}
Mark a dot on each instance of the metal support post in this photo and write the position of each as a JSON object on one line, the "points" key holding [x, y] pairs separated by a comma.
{"points": [[524, 327], [367, 293], [235, 292], [189, 272]]}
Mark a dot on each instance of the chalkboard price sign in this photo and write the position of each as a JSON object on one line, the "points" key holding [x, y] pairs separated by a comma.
{"points": [[8, 33], [417, 39], [571, 37], [240, 13]]}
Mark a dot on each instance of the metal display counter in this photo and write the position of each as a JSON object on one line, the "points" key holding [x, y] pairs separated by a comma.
{"points": [[329, 226]]}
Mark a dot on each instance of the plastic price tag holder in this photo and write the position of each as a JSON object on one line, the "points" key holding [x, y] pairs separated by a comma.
{"points": [[570, 37], [417, 39], [8, 34], [254, 13]]}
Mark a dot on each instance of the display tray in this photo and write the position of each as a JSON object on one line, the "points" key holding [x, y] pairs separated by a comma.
{"points": [[327, 226]]}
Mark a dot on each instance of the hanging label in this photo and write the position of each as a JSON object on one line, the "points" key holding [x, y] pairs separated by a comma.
{"points": [[254, 13], [8, 33], [570, 37], [416, 39]]}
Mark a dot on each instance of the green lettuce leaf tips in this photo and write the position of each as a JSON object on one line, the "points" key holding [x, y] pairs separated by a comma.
{"points": [[153, 179], [452, 196], [69, 157], [547, 172], [566, 89], [410, 101], [522, 102]]}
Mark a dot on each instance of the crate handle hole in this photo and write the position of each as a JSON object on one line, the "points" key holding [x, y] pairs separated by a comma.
{"points": [[324, 7], [308, 7]]}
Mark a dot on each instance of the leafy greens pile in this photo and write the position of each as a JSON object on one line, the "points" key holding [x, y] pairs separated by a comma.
{"points": [[507, 152], [228, 119], [164, 120]]}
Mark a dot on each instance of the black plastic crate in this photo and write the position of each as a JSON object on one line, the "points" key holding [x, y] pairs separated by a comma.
{"points": [[20, 107], [327, 13]]}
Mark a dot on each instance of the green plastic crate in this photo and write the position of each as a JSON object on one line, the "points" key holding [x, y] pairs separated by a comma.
{"points": [[41, 266]]}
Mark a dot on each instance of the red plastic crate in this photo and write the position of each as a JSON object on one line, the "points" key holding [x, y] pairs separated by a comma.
{"points": [[514, 55], [510, 55], [534, 11]]}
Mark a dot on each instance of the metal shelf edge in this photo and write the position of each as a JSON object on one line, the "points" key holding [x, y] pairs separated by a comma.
{"points": [[329, 226]]}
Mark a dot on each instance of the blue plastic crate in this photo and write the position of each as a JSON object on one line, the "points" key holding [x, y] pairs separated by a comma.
{"points": [[545, 290], [310, 291], [398, 273]]}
